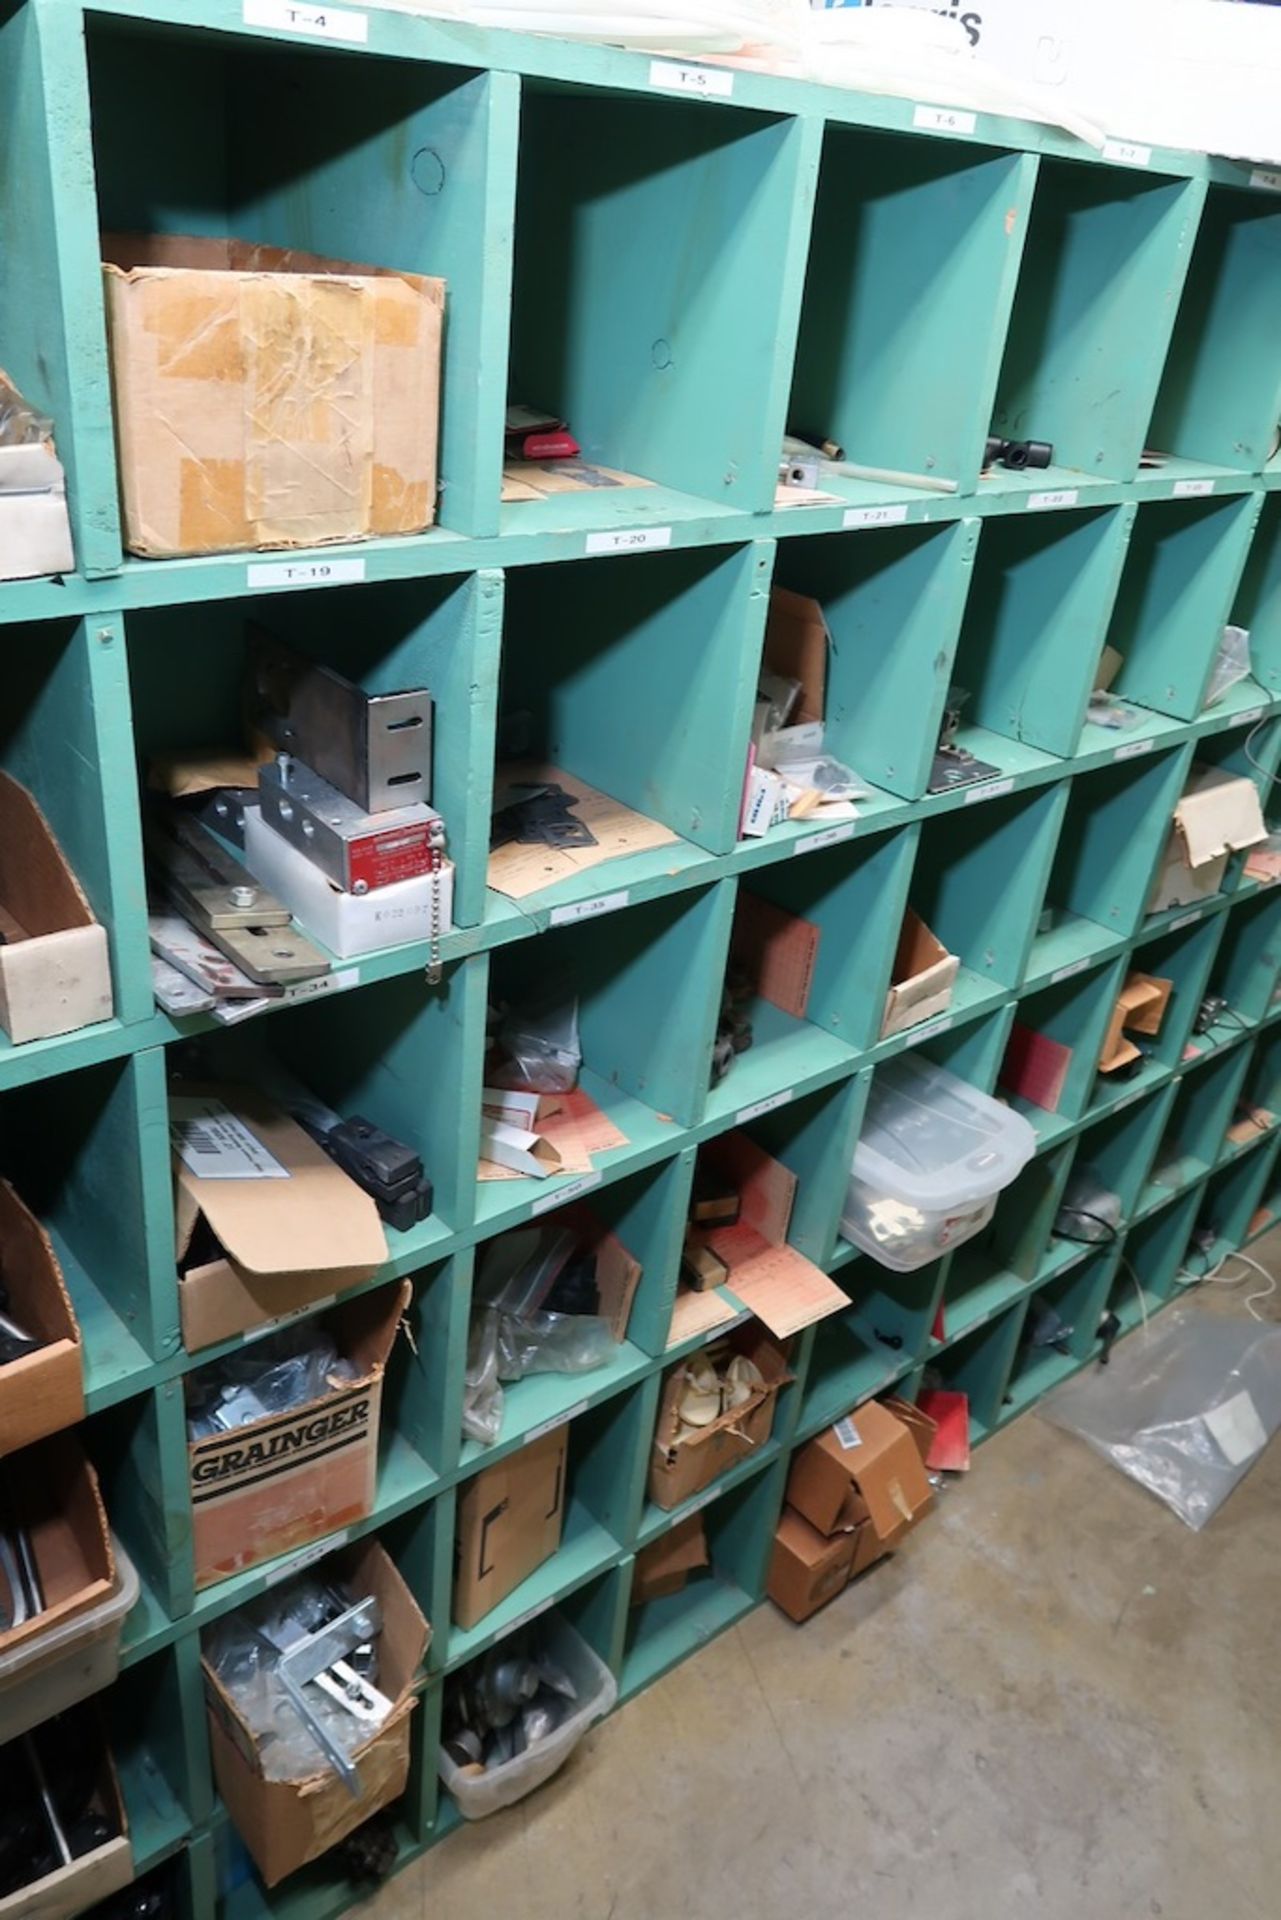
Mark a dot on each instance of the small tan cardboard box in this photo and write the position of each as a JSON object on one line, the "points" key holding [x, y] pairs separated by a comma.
{"points": [[680, 1467], [55, 972], [266, 1224], [267, 398], [93, 1876], [665, 1565], [806, 1569], [866, 1467], [509, 1521], [44, 1391], [56, 1497], [922, 980], [285, 1823], [278, 1483], [1218, 815]]}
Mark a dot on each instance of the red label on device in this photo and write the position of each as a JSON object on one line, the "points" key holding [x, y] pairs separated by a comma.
{"points": [[380, 859]]}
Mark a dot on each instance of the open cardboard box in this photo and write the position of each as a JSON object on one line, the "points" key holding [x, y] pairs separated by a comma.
{"points": [[864, 1476], [265, 1223], [807, 1569], [1218, 815], [922, 980], [663, 1567], [55, 971], [682, 1465], [93, 1876], [285, 1480], [508, 1522], [285, 1823], [618, 1272], [1140, 1008], [55, 1495], [44, 1391]]}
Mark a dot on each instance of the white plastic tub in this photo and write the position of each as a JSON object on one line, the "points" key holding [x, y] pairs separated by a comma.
{"points": [[932, 1158], [480, 1794], [75, 1658]]}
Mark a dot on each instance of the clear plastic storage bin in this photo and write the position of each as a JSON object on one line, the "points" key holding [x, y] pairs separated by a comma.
{"points": [[932, 1158], [52, 1670], [477, 1795]]}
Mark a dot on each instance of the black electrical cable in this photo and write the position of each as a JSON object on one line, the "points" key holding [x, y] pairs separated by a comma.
{"points": [[1084, 1213]]}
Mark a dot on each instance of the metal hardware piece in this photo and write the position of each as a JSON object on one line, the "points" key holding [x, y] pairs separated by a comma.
{"points": [[207, 884], [358, 851], [375, 748], [312, 1655]]}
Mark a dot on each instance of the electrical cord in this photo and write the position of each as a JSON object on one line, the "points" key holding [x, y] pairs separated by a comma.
{"points": [[1260, 1293], [1258, 764], [1084, 1213]]}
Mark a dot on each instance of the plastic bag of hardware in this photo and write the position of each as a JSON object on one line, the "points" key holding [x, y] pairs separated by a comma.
{"points": [[289, 1369], [541, 1042], [1184, 1408], [1232, 663]]}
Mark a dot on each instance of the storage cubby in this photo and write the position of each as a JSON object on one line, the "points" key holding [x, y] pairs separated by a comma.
{"points": [[1231, 1200], [1176, 595], [1258, 603], [814, 1139], [1103, 265], [994, 1268], [1183, 955], [1052, 1084], [979, 1367], [738, 1525], [138, 1447], [1248, 961], [1035, 621], [656, 296], [895, 1313], [1203, 1107], [903, 225], [893, 602], [381, 163], [979, 885], [1074, 1303], [1114, 832], [1262, 1086], [1114, 1155], [163, 1782], [845, 1361], [1220, 397], [973, 1049]]}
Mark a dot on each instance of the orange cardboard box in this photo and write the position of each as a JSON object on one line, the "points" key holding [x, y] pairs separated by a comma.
{"points": [[806, 1568], [866, 1467]]}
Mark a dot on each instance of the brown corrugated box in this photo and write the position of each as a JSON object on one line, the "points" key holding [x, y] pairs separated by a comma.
{"points": [[922, 980], [266, 398], [806, 1569], [43, 1391], [55, 1495], [55, 974], [680, 1468], [285, 1823], [88, 1877], [866, 1467], [283, 1481], [663, 1567], [282, 1244], [509, 1521]]}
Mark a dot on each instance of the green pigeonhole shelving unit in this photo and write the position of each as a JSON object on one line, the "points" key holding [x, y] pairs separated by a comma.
{"points": [[682, 260]]}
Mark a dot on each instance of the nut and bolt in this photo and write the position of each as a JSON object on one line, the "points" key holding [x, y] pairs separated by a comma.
{"points": [[243, 896]]}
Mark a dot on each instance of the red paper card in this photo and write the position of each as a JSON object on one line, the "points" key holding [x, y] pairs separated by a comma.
{"points": [[950, 1451], [1036, 1067]]}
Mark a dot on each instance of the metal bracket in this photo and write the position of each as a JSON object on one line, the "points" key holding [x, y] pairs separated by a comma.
{"points": [[312, 1656], [374, 748]]}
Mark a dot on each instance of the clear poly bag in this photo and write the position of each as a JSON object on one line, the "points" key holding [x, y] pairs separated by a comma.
{"points": [[1231, 663], [541, 1042], [1184, 1408]]}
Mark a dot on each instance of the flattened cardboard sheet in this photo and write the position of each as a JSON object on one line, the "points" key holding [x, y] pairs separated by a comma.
{"points": [[519, 870]]}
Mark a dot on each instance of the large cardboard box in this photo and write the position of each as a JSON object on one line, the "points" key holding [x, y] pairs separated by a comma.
{"points": [[265, 1223], [280, 1482], [55, 972], [92, 1876], [868, 1467], [285, 1823], [922, 979], [1217, 816], [682, 1465], [509, 1521], [267, 398], [806, 1569], [44, 1391]]}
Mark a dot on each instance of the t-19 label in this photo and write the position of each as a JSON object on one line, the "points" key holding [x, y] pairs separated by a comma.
{"points": [[305, 573]]}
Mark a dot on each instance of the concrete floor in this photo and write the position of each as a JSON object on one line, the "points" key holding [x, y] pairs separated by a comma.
{"points": [[1057, 1702]]}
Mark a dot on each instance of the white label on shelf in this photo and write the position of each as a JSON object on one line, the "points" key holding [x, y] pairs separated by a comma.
{"points": [[211, 1142], [675, 77], [830, 837], [1249, 719], [1191, 489], [284, 1319], [1184, 920], [307, 1558], [931, 1029], [1237, 1428], [564, 1195], [1065, 973], [531, 1613], [848, 1434], [755, 1111], [988, 790], [1128, 152], [560, 1420], [945, 119], [1133, 748], [704, 1499], [589, 909], [1267, 178], [629, 540], [874, 516], [304, 573], [1060, 497], [340, 982]]}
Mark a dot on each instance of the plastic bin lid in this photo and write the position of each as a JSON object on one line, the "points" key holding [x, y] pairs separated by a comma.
{"points": [[933, 1141]]}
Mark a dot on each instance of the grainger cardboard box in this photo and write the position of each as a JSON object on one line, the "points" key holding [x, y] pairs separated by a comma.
{"points": [[44, 1391], [868, 1467], [509, 1521], [806, 1569], [265, 1222], [682, 1465], [291, 1478], [285, 1823], [55, 973], [267, 398]]}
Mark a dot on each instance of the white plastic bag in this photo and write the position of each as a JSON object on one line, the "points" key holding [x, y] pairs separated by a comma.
{"points": [[1185, 1408]]}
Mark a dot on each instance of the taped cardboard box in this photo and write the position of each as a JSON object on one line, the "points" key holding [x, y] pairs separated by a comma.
{"points": [[286, 1823], [44, 1390], [509, 1521], [922, 980], [807, 1569], [1218, 815], [665, 1565], [55, 971], [265, 1223], [92, 1876], [280, 1482], [266, 398], [866, 1468], [682, 1464]]}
